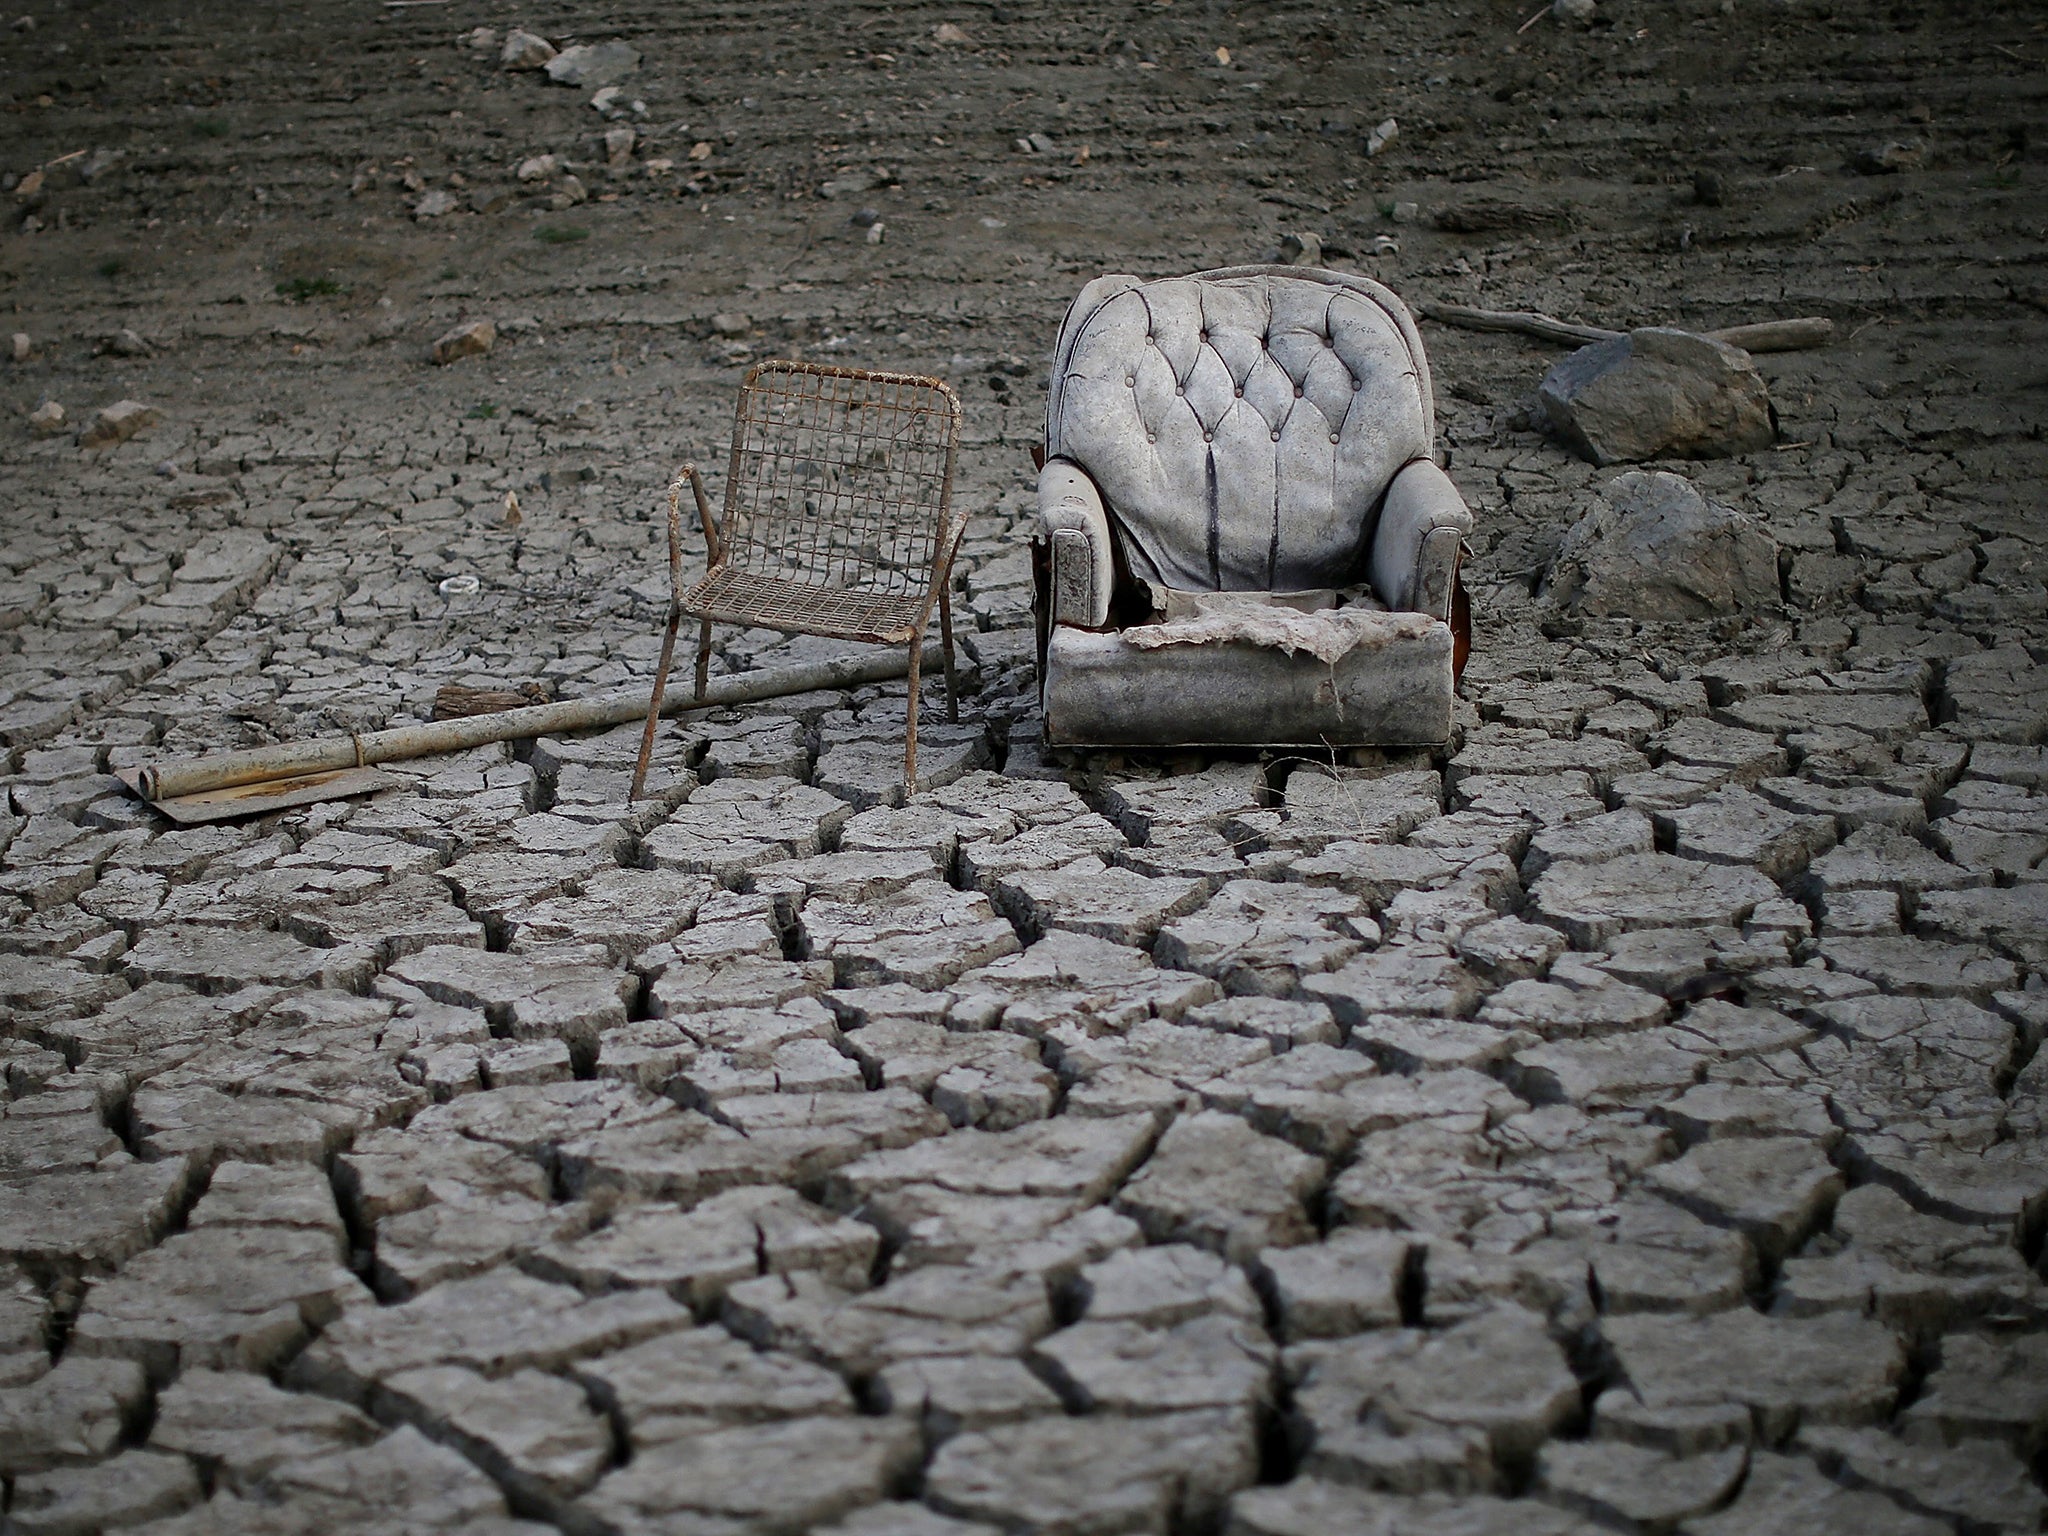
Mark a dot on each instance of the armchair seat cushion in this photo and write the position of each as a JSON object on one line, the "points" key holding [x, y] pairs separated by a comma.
{"points": [[1103, 688], [1326, 633]]}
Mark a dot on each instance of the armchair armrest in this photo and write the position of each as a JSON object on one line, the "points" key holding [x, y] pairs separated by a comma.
{"points": [[1076, 529], [1423, 523]]}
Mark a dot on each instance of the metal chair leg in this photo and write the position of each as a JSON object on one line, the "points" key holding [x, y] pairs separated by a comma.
{"points": [[668, 651], [946, 649], [675, 618], [910, 722], [703, 657]]}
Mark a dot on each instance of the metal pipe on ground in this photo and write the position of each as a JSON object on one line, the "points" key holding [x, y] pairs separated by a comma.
{"points": [[255, 765]]}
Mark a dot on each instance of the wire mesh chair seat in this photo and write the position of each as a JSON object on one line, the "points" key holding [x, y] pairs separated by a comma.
{"points": [[776, 602], [837, 521]]}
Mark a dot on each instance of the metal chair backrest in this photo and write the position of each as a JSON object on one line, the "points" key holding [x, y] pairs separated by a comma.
{"points": [[840, 478]]}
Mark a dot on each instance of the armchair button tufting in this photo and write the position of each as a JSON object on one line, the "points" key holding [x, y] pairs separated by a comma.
{"points": [[1329, 341], [1335, 437], [1205, 335], [1276, 434], [1357, 385], [1208, 437], [1180, 389], [1151, 437], [1130, 381], [1297, 391], [1239, 393]]}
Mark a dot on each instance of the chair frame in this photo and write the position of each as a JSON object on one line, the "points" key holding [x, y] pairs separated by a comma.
{"points": [[735, 590]]}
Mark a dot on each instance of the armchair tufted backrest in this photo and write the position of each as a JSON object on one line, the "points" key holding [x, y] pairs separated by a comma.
{"points": [[1241, 424]]}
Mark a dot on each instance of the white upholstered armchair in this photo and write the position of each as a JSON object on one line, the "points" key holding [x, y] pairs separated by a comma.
{"points": [[1243, 538]]}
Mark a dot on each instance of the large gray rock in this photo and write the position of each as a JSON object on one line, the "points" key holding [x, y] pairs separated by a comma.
{"points": [[1654, 548], [1657, 392]]}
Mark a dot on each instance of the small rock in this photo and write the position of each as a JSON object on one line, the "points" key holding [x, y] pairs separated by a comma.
{"points": [[1654, 548], [1301, 248], [1657, 391], [126, 343], [536, 168], [606, 100], [569, 191], [1384, 134], [23, 347], [1575, 12], [618, 144], [47, 419], [117, 423], [730, 324], [1709, 188], [1889, 159], [525, 50], [435, 204], [946, 32], [593, 64], [471, 340], [482, 38]]}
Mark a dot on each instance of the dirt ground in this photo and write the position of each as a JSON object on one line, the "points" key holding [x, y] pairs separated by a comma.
{"points": [[257, 219]]}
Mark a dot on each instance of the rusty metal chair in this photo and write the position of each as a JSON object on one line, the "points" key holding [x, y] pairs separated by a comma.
{"points": [[838, 522]]}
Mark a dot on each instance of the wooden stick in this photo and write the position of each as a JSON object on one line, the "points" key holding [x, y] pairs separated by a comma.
{"points": [[1779, 335], [288, 759], [1524, 322], [1763, 336]]}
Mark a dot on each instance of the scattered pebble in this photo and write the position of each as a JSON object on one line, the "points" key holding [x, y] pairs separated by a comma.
{"points": [[470, 340], [730, 324], [1301, 248], [1889, 159], [526, 50], [125, 343], [23, 347], [1385, 134], [434, 204], [1576, 12], [459, 586], [117, 423], [1709, 188], [593, 64], [47, 419], [536, 168], [618, 146]]}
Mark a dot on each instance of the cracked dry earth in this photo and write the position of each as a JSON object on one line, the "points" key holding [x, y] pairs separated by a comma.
{"points": [[1626, 1119]]}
